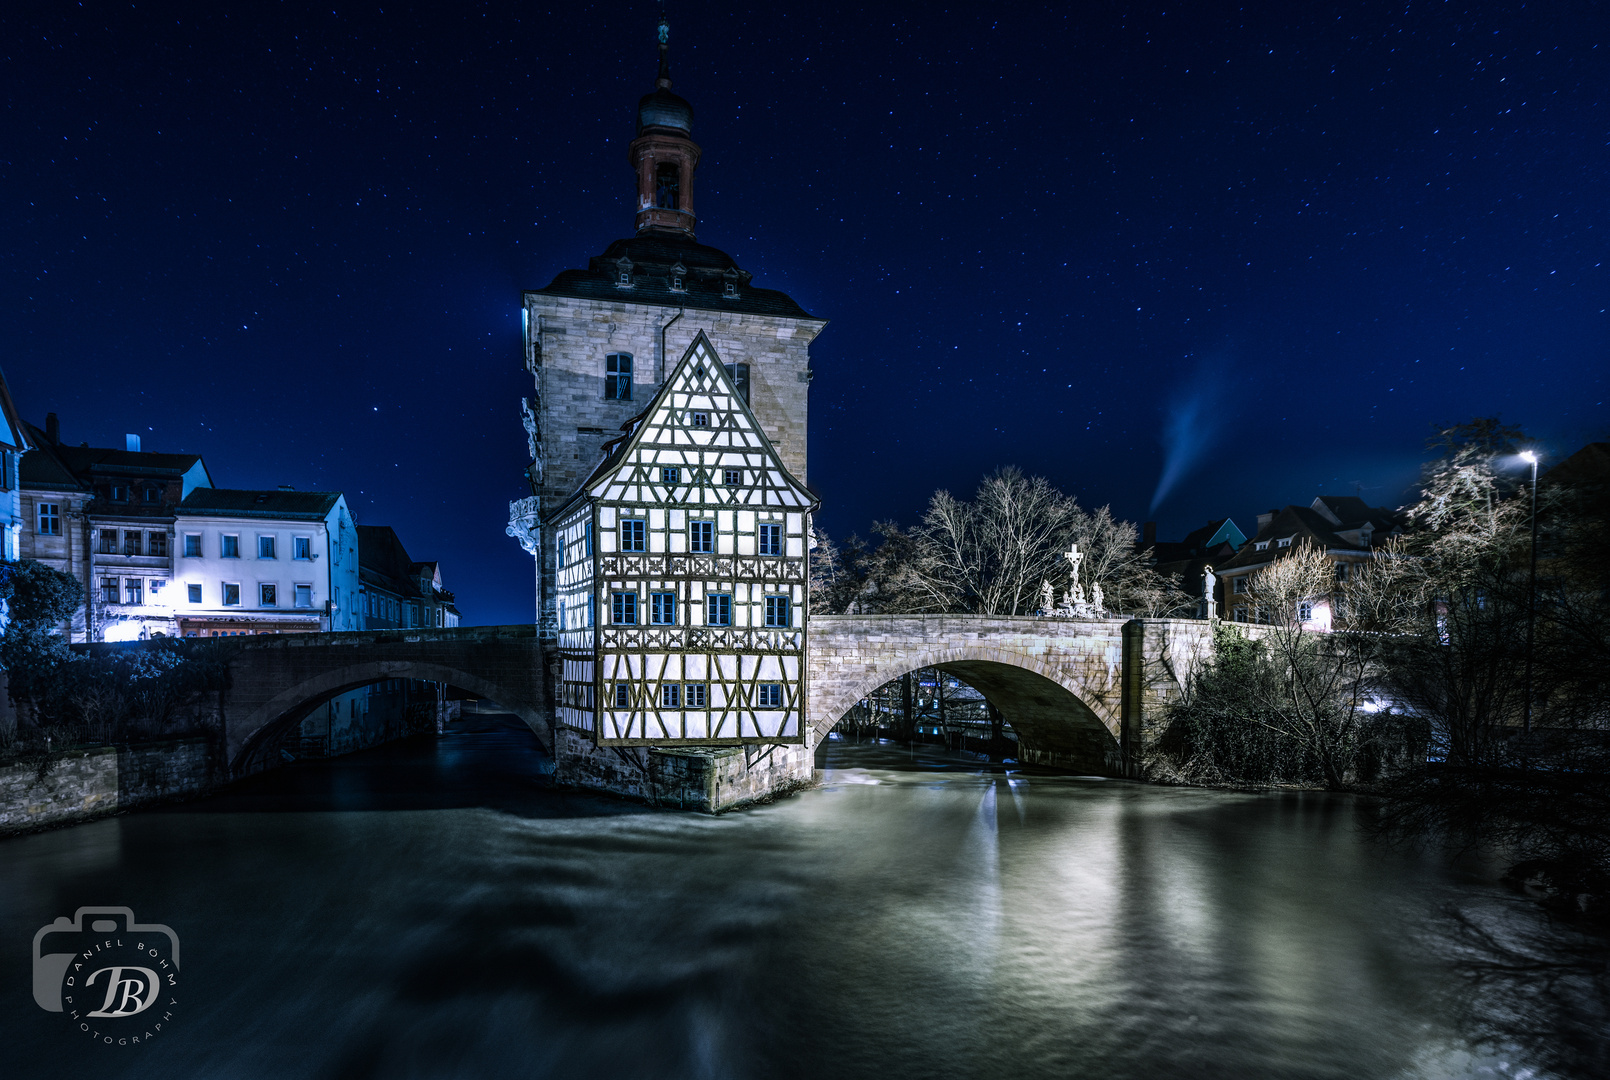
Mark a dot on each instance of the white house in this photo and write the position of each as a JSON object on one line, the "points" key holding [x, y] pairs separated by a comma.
{"points": [[264, 562]]}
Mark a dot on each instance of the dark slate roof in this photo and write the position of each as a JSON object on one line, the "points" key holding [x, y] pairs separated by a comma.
{"points": [[83, 462], [16, 438], [1588, 466], [42, 468], [383, 561], [652, 256], [1304, 522], [230, 502]]}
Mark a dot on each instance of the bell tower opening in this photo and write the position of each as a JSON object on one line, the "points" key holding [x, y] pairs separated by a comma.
{"points": [[667, 181]]}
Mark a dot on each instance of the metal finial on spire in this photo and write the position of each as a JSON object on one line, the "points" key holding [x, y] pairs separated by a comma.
{"points": [[665, 48]]}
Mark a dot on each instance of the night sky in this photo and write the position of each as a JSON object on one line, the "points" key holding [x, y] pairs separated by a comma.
{"points": [[1191, 261]]}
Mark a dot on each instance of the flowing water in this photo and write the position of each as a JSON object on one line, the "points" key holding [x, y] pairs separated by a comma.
{"points": [[435, 908]]}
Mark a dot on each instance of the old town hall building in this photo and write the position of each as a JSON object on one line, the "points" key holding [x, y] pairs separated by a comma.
{"points": [[669, 516]]}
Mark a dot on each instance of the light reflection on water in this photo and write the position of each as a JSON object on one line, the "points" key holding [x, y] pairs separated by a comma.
{"points": [[433, 909]]}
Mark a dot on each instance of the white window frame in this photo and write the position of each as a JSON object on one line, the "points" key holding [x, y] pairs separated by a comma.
{"points": [[49, 513], [272, 544], [305, 542], [223, 545], [297, 588], [224, 587], [196, 554], [268, 594]]}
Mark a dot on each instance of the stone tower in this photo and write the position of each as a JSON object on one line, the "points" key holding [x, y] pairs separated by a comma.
{"points": [[600, 341]]}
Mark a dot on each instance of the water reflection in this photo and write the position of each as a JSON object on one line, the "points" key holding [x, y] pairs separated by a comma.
{"points": [[439, 909]]}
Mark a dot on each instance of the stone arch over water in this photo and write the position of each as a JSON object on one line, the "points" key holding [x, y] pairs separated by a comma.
{"points": [[1045, 704], [265, 723]]}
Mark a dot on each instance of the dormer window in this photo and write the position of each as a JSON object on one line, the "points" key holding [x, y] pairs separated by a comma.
{"points": [[667, 186], [1283, 542], [1261, 545], [729, 284], [679, 278], [623, 273]]}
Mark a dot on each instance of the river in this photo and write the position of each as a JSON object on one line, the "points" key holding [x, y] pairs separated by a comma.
{"points": [[435, 908]]}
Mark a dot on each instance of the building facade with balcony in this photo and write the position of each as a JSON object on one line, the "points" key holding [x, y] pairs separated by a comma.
{"points": [[264, 562]]}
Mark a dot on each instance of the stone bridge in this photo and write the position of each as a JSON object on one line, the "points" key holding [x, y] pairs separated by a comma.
{"points": [[277, 680], [1080, 694]]}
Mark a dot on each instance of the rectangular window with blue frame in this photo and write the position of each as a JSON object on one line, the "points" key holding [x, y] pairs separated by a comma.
{"points": [[634, 534], [623, 609], [702, 537], [718, 609], [777, 613], [662, 608], [771, 539]]}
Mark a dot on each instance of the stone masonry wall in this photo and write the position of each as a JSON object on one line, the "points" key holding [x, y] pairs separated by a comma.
{"points": [[102, 781]]}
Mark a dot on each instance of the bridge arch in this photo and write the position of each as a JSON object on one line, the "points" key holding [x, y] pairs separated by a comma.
{"points": [[1054, 713], [248, 733]]}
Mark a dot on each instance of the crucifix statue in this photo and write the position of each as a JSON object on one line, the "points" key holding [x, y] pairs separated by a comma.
{"points": [[1076, 591]]}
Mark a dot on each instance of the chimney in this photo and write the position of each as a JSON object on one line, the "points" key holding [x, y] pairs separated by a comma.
{"points": [[1148, 533], [52, 429], [132, 443], [1265, 519]]}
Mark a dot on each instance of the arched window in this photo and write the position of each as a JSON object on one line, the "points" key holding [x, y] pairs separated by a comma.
{"points": [[667, 186]]}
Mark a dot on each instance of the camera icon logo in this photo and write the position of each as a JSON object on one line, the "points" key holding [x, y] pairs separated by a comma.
{"points": [[115, 978]]}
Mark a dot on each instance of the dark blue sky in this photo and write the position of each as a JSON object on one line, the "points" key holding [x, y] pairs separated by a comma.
{"points": [[1280, 242]]}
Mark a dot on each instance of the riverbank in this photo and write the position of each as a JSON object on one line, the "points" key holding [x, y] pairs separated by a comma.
{"points": [[84, 784]]}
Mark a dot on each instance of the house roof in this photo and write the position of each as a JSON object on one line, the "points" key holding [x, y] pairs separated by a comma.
{"points": [[1299, 523], [234, 502], [42, 468], [58, 465], [652, 257], [1588, 466]]}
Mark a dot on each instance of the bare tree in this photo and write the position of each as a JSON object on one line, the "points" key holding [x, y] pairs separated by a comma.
{"points": [[989, 555]]}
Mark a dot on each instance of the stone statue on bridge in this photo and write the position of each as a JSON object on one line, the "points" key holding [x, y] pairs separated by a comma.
{"points": [[1048, 598], [1210, 591]]}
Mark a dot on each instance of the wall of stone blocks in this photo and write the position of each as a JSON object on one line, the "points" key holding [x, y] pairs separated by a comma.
{"points": [[102, 781]]}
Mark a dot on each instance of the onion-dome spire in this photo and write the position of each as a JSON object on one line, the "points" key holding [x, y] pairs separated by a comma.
{"points": [[664, 155]]}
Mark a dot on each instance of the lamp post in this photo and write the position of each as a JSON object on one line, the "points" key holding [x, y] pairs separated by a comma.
{"points": [[1530, 457]]}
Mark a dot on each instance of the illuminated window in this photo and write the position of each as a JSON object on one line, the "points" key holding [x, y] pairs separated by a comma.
{"points": [[732, 477], [662, 608], [771, 539], [670, 695], [193, 593], [670, 475], [302, 547], [702, 537], [718, 609], [265, 547], [267, 595], [304, 595], [229, 547], [231, 594], [134, 590], [618, 377], [192, 545], [634, 534], [623, 608], [693, 695], [49, 519], [770, 696], [777, 613]]}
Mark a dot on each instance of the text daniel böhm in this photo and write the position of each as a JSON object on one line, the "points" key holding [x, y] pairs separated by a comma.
{"points": [[115, 979]]}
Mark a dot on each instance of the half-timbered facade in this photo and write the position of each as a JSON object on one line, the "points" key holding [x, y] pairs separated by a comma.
{"points": [[680, 576]]}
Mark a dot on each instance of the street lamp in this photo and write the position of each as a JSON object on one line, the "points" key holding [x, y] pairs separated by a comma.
{"points": [[1530, 457]]}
